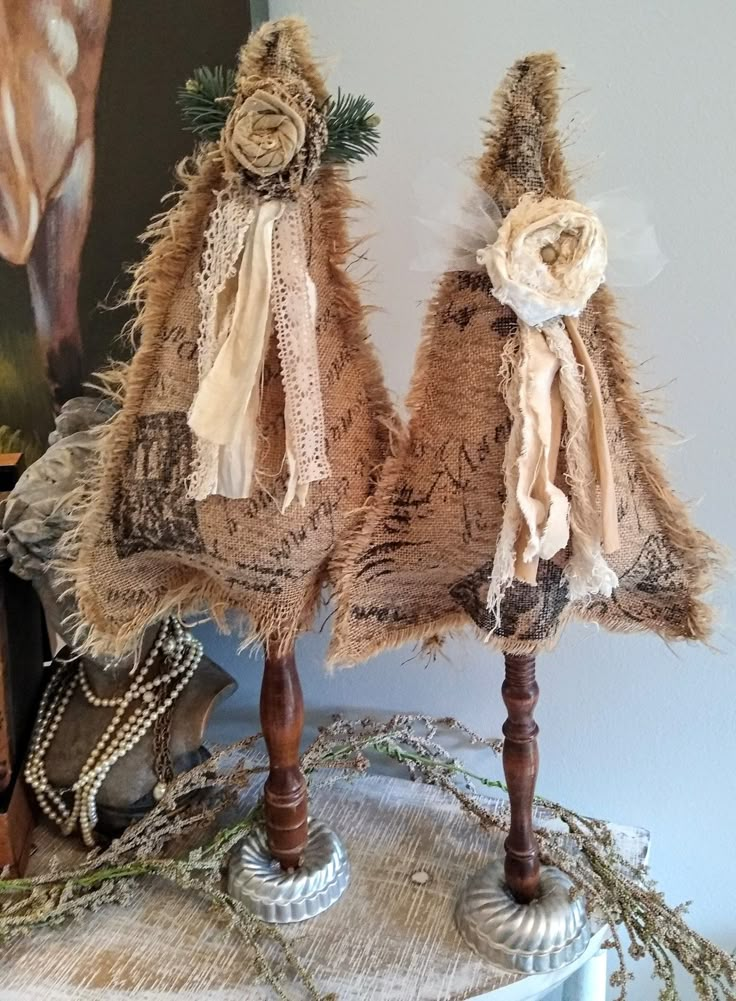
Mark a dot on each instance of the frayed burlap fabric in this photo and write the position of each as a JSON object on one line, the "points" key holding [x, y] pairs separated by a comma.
{"points": [[421, 564], [145, 548]]}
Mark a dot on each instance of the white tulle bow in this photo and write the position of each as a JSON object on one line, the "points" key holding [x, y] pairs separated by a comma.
{"points": [[456, 218]]}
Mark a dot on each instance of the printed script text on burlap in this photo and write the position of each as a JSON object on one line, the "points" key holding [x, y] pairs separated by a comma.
{"points": [[421, 564], [146, 547]]}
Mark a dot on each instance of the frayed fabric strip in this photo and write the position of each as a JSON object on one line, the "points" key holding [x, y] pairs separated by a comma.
{"points": [[549, 257], [543, 381], [587, 572]]}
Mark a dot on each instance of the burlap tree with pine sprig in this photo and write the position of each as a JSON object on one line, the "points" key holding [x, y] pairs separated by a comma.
{"points": [[253, 414]]}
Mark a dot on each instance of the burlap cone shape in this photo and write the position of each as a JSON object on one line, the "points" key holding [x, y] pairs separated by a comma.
{"points": [[146, 547], [421, 564]]}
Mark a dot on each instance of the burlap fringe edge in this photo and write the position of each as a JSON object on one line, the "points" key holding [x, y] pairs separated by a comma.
{"points": [[173, 237], [701, 554]]}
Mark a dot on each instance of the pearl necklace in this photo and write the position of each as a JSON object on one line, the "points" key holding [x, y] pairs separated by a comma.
{"points": [[144, 702]]}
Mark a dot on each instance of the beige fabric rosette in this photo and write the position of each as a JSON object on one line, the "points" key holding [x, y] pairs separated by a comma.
{"points": [[264, 133], [548, 259], [254, 277]]}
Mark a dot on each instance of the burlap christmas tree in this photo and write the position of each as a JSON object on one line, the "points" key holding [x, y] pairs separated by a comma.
{"points": [[456, 507], [252, 424]]}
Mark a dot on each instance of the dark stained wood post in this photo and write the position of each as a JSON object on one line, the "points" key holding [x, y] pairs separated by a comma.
{"points": [[521, 765], [285, 792]]}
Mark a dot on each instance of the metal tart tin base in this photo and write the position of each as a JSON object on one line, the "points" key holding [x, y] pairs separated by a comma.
{"points": [[281, 897]]}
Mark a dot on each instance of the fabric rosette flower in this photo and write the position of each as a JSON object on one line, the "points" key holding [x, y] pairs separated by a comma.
{"points": [[548, 259], [265, 133], [274, 137]]}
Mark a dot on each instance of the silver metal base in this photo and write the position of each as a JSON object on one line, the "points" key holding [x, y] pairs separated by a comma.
{"points": [[545, 935], [284, 897]]}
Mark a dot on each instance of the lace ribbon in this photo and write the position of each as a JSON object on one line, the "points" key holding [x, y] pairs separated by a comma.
{"points": [[254, 276], [548, 378], [294, 302]]}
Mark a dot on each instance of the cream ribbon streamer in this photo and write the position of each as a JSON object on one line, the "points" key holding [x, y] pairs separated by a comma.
{"points": [[543, 506], [543, 382], [604, 467], [547, 260], [225, 409], [593, 523]]}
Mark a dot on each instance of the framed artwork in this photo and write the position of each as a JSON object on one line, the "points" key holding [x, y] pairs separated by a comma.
{"points": [[88, 130]]}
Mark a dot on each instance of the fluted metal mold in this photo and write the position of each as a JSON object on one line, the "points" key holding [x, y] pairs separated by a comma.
{"points": [[285, 897], [545, 935]]}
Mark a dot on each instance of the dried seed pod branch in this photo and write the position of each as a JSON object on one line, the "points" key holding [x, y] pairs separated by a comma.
{"points": [[616, 889]]}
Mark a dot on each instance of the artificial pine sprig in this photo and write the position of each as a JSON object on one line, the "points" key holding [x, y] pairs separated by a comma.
{"points": [[205, 100], [352, 124], [352, 128]]}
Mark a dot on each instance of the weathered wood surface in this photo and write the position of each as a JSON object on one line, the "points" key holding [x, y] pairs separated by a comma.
{"points": [[390, 938]]}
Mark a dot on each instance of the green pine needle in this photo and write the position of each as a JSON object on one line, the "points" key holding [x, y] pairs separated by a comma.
{"points": [[352, 129], [352, 125], [205, 100]]}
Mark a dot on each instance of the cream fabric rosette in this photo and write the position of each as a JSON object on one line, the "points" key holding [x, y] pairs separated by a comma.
{"points": [[547, 260], [265, 133]]}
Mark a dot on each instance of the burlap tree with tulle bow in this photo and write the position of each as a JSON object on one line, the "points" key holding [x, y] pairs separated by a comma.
{"points": [[593, 496], [525, 492]]}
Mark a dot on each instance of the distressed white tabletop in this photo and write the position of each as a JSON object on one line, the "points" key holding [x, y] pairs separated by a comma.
{"points": [[390, 937]]}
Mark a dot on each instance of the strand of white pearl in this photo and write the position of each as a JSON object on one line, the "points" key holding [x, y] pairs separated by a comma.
{"points": [[52, 709], [186, 653], [172, 646], [94, 774], [51, 712]]}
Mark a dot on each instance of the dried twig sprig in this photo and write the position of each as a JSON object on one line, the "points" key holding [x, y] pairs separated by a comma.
{"points": [[615, 888]]}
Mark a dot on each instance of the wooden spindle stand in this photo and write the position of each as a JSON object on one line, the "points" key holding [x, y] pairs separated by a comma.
{"points": [[314, 865], [517, 914], [521, 766], [285, 792]]}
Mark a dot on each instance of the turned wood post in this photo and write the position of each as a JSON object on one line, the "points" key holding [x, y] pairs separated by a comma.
{"points": [[285, 792], [521, 764]]}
